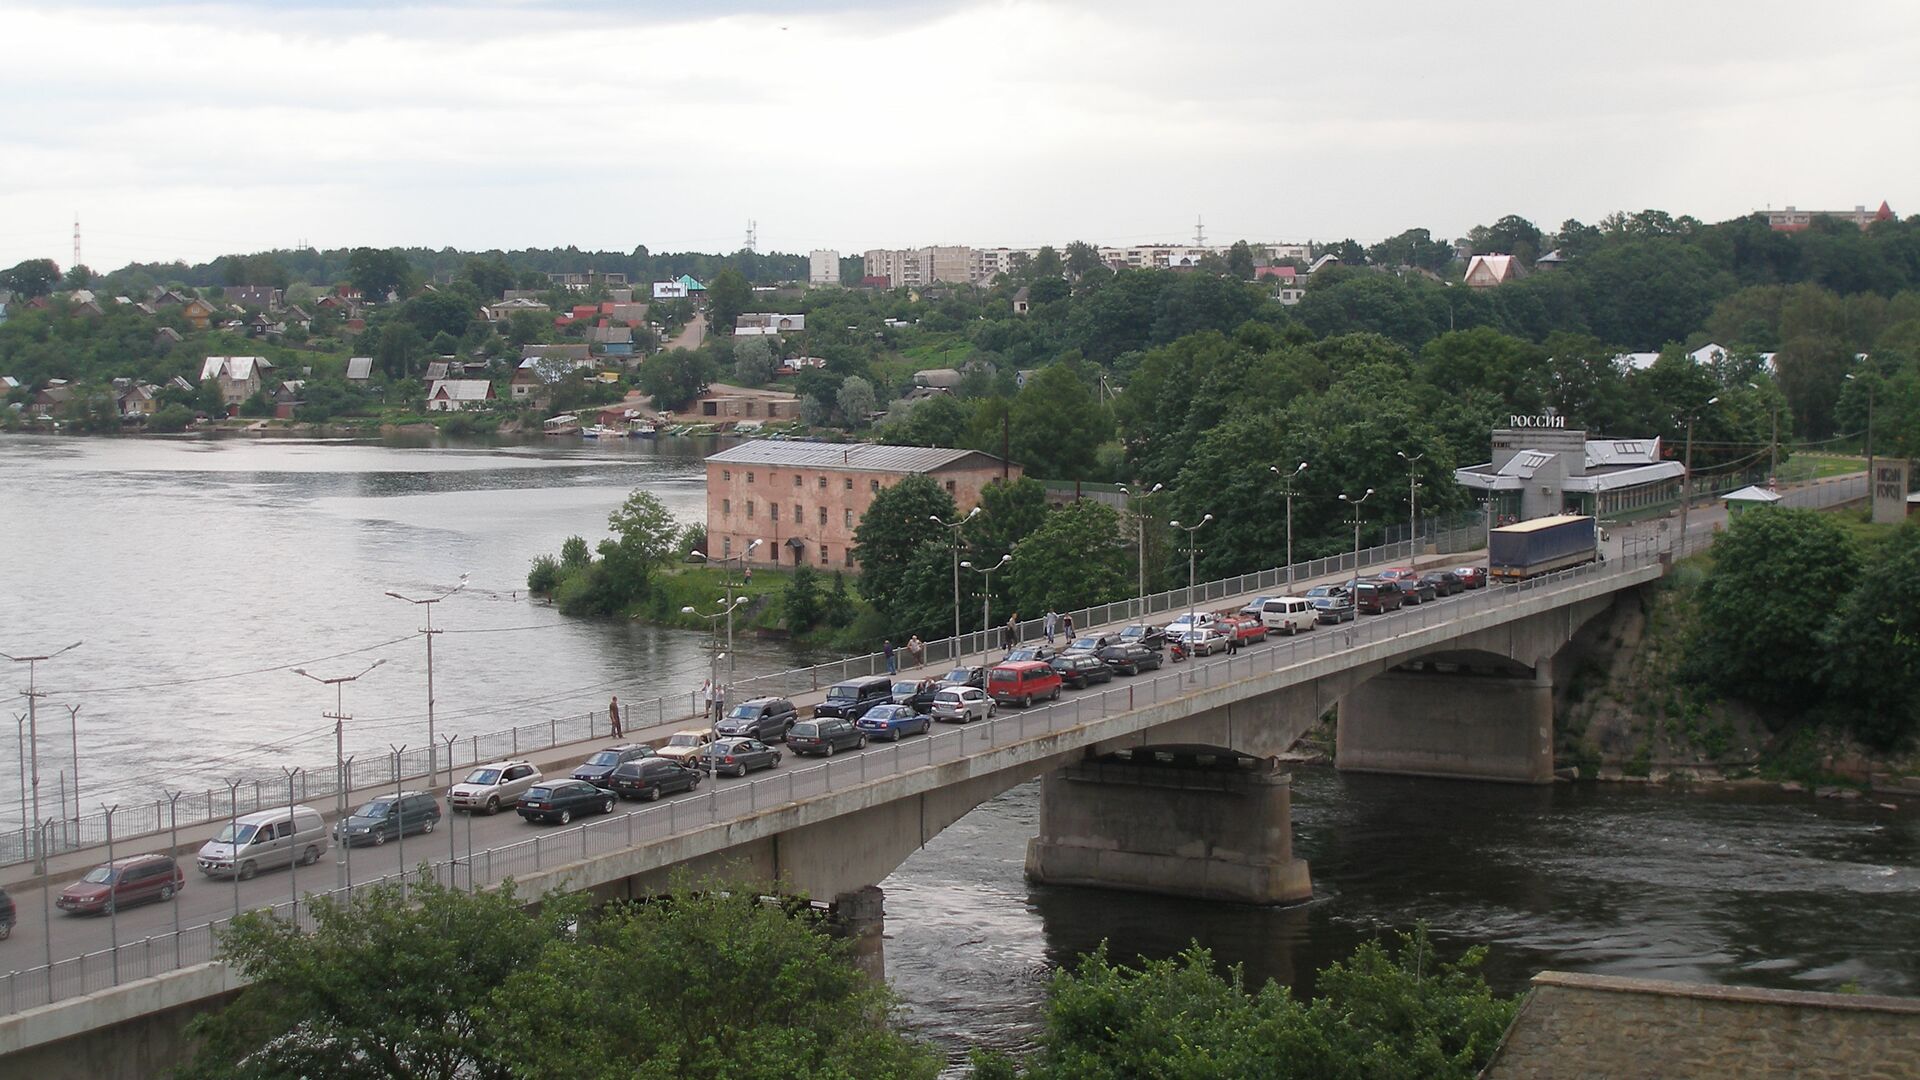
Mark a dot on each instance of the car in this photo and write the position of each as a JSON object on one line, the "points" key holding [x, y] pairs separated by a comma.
{"points": [[975, 677], [1144, 634], [1396, 573], [559, 801], [1254, 606], [682, 747], [1377, 597], [826, 734], [1204, 642], [594, 770], [1128, 659], [1319, 591], [1289, 615], [1190, 620], [893, 721], [1473, 577], [851, 699], [1444, 582], [493, 785], [1241, 630], [264, 839], [1022, 682], [8, 914], [388, 817], [651, 777], [130, 879], [963, 704], [738, 756], [1333, 609], [1415, 590], [1087, 646], [765, 719], [1080, 670], [1039, 654], [914, 693]]}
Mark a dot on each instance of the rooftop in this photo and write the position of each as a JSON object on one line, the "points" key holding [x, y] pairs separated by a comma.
{"points": [[848, 457]]}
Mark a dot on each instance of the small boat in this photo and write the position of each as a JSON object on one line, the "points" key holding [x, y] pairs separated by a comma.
{"points": [[642, 430], [602, 431], [564, 424]]}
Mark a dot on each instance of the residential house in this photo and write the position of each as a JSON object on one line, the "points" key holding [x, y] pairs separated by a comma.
{"points": [[629, 313], [8, 384], [239, 377], [506, 309], [611, 340], [1322, 263], [1022, 300], [1490, 271], [180, 383], [288, 396], [52, 397], [803, 501], [264, 297], [572, 351], [198, 312], [133, 399], [1552, 260], [359, 368], [725, 403], [88, 308], [768, 324], [669, 290], [1283, 274], [1709, 354], [538, 370], [166, 298], [453, 395]]}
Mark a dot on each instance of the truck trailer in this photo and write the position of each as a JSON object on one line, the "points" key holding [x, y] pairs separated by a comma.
{"points": [[1541, 546]]}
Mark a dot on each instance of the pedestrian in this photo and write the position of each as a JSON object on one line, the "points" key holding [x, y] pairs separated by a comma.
{"points": [[613, 715], [886, 650], [1066, 621], [916, 650], [1013, 630], [706, 696], [719, 703], [749, 575], [1049, 623]]}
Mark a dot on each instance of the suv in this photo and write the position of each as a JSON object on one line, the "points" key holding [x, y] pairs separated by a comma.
{"points": [[1377, 597], [132, 879], [850, 700], [961, 704], [651, 777], [490, 786], [765, 719], [1127, 659], [388, 817], [594, 770], [825, 735]]}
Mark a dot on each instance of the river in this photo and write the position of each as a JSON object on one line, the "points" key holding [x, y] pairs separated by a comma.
{"points": [[187, 567]]}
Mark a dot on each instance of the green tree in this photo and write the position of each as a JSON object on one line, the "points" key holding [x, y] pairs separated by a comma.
{"points": [[855, 401], [31, 277], [78, 276], [1414, 247], [838, 609], [376, 272], [575, 554], [802, 601], [1773, 570], [675, 377], [1872, 647], [1010, 511], [1240, 260], [1077, 557], [399, 350], [1082, 259], [728, 295], [938, 421], [1058, 424], [753, 362], [897, 521], [524, 327], [1511, 235], [490, 277]]}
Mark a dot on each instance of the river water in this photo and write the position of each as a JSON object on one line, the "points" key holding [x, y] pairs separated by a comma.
{"points": [[195, 571]]}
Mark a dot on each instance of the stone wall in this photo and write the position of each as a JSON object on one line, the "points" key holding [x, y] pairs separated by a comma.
{"points": [[1598, 1027]]}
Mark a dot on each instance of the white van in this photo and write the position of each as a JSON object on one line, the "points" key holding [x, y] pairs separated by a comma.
{"points": [[1288, 615], [264, 840]]}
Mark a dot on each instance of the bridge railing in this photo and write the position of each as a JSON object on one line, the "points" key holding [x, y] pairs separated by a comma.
{"points": [[551, 848]]}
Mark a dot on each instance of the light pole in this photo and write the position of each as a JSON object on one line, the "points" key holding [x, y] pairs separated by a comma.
{"points": [[1141, 548], [1773, 443], [1190, 530], [1413, 501], [728, 603], [433, 768], [986, 602], [729, 599], [34, 694], [1353, 591], [1869, 386], [955, 526], [339, 717], [1287, 479], [1686, 474]]}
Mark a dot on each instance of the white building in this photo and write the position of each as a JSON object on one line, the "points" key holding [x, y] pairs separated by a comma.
{"points": [[823, 267]]}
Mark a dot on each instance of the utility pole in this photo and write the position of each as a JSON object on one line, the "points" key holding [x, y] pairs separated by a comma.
{"points": [[986, 603], [1353, 590], [1413, 502], [1287, 478], [433, 770], [1141, 547], [34, 694], [1686, 474], [339, 716], [955, 526]]}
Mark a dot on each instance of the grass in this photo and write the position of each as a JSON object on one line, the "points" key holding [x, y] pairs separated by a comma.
{"points": [[1808, 466]]}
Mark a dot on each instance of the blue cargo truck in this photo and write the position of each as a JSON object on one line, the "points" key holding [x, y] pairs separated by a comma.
{"points": [[1540, 546]]}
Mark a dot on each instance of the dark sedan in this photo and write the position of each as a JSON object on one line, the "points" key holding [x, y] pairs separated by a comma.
{"points": [[1153, 637], [1319, 591], [975, 677], [1444, 582], [893, 721], [916, 694], [766, 719], [1129, 659], [1333, 609], [1080, 670], [595, 769], [559, 802], [652, 777], [825, 736], [1414, 590], [738, 756]]}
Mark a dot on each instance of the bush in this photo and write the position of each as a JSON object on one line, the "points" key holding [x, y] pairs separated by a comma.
{"points": [[545, 575], [171, 418]]}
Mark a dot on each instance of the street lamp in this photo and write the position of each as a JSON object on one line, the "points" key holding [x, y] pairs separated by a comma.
{"points": [[34, 694], [986, 601], [1141, 520], [1190, 530], [1413, 501], [1869, 386], [728, 604], [433, 768], [724, 560], [1353, 591], [339, 717], [1287, 479], [955, 526], [1686, 482], [1773, 443]]}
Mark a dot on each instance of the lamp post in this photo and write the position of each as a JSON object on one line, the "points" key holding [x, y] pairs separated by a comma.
{"points": [[339, 717], [1686, 474], [1869, 386], [1141, 547], [1190, 530], [433, 768], [955, 526], [34, 694], [986, 602], [1353, 591], [728, 603], [1413, 501], [1773, 443], [729, 599], [1288, 478]]}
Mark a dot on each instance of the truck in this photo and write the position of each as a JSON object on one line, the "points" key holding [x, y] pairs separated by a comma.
{"points": [[1541, 546]]}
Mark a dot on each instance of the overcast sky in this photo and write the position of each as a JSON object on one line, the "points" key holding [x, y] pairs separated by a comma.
{"points": [[186, 131]]}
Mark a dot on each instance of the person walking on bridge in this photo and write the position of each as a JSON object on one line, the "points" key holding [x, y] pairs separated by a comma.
{"points": [[886, 650], [613, 715], [706, 697], [916, 651]]}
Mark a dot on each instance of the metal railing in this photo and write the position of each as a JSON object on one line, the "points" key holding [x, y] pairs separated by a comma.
{"points": [[620, 832]]}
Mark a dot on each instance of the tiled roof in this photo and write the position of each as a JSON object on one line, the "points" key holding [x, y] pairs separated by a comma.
{"points": [[855, 457]]}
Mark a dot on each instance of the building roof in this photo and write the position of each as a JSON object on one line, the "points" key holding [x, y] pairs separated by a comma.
{"points": [[359, 367], [236, 368], [1621, 453], [1752, 493], [848, 457], [460, 389]]}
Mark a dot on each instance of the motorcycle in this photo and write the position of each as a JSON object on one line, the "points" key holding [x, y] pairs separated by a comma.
{"points": [[1176, 650]]}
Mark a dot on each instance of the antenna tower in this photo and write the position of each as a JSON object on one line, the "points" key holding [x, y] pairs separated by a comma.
{"points": [[76, 238], [1199, 233], [753, 234]]}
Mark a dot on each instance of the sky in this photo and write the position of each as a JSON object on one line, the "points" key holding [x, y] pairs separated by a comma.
{"points": [[189, 130]]}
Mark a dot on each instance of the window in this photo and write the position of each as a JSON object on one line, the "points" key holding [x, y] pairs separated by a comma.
{"points": [[798, 480], [823, 515], [849, 483], [950, 487], [726, 507], [749, 478], [726, 474], [849, 519], [823, 483], [749, 507], [849, 556], [873, 485], [823, 554], [726, 545], [773, 511], [797, 515]]}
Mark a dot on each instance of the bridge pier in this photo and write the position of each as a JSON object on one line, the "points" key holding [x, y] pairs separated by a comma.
{"points": [[1195, 826], [1448, 720]]}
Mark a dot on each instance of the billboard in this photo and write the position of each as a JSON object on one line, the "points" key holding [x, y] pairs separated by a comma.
{"points": [[1889, 485]]}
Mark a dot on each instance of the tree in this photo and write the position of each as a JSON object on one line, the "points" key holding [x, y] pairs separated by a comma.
{"points": [[1058, 425], [439, 313], [1754, 637], [31, 278], [490, 277], [753, 362], [377, 272], [675, 377], [728, 295], [399, 347], [856, 401], [1240, 260], [1077, 557], [938, 421], [1872, 647], [1082, 259], [1414, 247], [898, 520], [78, 276], [1010, 511], [801, 602], [1511, 235]]}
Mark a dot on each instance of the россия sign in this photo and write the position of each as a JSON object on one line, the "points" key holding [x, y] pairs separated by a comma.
{"points": [[1547, 421]]}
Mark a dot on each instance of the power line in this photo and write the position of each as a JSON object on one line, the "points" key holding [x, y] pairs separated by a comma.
{"points": [[234, 674]]}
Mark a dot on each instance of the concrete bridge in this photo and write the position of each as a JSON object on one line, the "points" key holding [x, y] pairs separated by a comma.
{"points": [[1164, 782]]}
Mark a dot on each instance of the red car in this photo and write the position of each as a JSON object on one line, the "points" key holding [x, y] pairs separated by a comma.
{"points": [[131, 880], [1397, 573], [1473, 577], [1242, 631]]}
